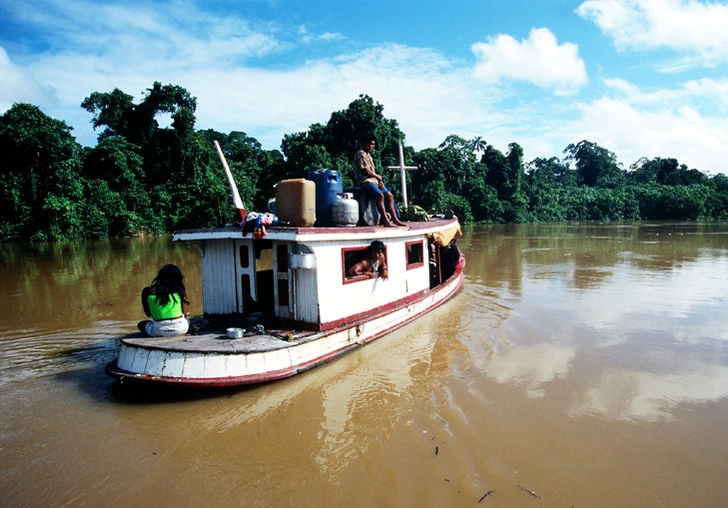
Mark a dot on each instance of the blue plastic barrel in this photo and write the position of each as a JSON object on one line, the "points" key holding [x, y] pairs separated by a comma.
{"points": [[328, 185]]}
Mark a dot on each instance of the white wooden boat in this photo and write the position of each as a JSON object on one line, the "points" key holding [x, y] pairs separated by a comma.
{"points": [[289, 290]]}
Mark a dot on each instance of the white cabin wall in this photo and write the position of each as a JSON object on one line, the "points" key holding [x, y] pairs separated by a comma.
{"points": [[249, 270], [219, 291], [338, 300]]}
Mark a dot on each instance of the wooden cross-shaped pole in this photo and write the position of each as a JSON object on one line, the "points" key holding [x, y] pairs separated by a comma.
{"points": [[402, 168]]}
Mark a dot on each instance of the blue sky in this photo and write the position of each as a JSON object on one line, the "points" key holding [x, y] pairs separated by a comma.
{"points": [[642, 78]]}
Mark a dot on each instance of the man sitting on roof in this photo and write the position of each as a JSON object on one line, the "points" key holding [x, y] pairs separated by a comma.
{"points": [[373, 184]]}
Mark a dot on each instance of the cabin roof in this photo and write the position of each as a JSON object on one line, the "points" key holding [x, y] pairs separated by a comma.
{"points": [[309, 234]]}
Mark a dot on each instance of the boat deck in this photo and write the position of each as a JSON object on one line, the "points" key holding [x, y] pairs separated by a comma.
{"points": [[217, 341]]}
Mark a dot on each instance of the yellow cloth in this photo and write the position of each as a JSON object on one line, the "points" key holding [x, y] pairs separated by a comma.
{"points": [[444, 237]]}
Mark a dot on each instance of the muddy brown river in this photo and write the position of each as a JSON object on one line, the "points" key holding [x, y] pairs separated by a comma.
{"points": [[580, 365]]}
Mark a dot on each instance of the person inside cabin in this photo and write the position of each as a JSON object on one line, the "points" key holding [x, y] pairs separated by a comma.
{"points": [[165, 301], [372, 183], [373, 264]]}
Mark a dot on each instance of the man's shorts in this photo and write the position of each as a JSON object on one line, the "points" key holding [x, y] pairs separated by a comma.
{"points": [[373, 189]]}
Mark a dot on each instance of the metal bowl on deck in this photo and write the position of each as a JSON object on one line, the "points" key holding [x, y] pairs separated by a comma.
{"points": [[235, 333]]}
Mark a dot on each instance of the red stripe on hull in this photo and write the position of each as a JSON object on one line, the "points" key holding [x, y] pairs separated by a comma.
{"points": [[113, 371]]}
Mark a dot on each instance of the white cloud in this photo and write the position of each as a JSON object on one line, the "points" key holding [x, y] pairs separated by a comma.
{"points": [[415, 86], [716, 90], [539, 60], [688, 26], [677, 122], [632, 132], [308, 37], [18, 85]]}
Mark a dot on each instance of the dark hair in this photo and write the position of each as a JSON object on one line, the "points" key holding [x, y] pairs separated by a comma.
{"points": [[369, 136], [167, 282], [376, 246]]}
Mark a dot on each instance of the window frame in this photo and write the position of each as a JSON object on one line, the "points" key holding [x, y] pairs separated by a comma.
{"points": [[415, 264], [346, 279]]}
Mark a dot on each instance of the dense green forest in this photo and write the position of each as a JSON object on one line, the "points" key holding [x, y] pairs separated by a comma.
{"points": [[143, 178]]}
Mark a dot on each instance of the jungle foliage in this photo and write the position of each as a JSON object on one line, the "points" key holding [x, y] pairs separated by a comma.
{"points": [[144, 178]]}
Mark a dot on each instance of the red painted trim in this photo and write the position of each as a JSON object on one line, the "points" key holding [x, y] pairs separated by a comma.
{"points": [[114, 371], [344, 252], [389, 307], [418, 264], [356, 278]]}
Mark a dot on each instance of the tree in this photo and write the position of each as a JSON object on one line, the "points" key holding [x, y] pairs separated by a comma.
{"points": [[334, 144], [41, 191], [595, 166], [119, 116], [477, 145], [116, 163]]}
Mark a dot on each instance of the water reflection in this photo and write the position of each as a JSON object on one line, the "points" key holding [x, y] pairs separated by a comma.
{"points": [[628, 395], [531, 366], [598, 303], [79, 284], [363, 406]]}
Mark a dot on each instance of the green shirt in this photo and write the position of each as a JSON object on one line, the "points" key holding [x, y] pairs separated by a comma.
{"points": [[172, 310]]}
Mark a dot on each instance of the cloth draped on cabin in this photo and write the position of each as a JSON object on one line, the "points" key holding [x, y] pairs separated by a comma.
{"points": [[444, 237]]}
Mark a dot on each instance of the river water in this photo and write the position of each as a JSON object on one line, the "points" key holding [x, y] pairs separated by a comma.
{"points": [[580, 365]]}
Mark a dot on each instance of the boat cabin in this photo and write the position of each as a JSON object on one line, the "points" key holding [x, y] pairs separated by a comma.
{"points": [[299, 274]]}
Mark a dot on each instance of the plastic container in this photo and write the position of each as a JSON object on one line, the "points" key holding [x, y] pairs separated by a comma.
{"points": [[345, 210], [328, 184], [302, 261], [296, 202]]}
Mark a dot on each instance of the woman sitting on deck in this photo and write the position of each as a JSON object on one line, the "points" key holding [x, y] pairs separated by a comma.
{"points": [[165, 301]]}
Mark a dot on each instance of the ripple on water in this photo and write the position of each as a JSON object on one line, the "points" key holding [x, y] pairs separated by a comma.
{"points": [[31, 353]]}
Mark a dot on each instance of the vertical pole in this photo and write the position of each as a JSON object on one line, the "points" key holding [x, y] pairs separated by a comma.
{"points": [[237, 202], [403, 174]]}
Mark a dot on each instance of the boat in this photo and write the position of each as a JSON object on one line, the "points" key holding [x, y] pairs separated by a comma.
{"points": [[278, 302]]}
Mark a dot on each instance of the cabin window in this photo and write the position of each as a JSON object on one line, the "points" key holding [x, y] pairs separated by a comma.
{"points": [[351, 256], [244, 257], [415, 254], [282, 254]]}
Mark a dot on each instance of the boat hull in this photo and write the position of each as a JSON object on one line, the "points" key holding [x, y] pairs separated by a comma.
{"points": [[217, 362]]}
